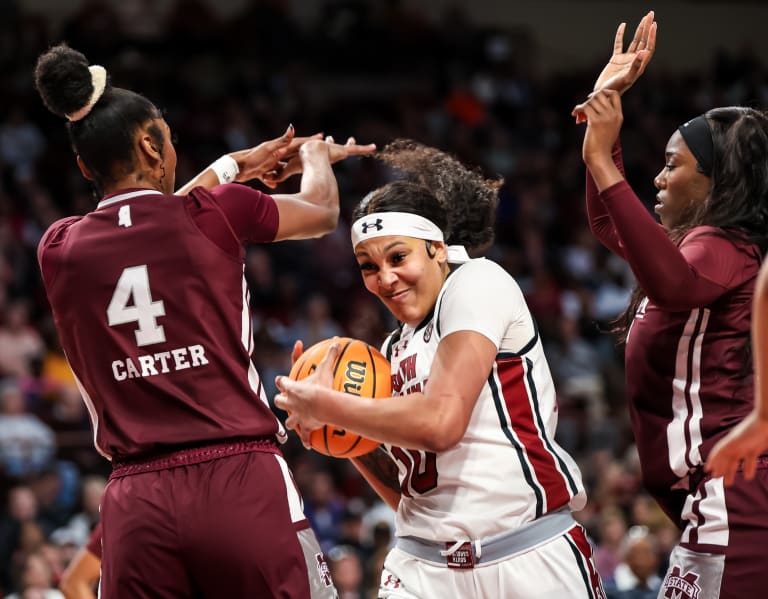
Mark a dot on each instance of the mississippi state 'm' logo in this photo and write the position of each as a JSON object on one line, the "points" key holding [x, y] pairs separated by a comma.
{"points": [[322, 569], [681, 586], [376, 225]]}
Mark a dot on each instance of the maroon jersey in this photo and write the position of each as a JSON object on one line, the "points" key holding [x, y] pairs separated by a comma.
{"points": [[151, 305], [688, 376], [685, 370]]}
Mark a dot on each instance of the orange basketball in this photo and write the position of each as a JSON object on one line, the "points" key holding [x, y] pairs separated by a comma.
{"points": [[359, 370]]}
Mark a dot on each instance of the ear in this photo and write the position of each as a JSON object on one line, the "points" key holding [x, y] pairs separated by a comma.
{"points": [[148, 148], [84, 169], [441, 251]]}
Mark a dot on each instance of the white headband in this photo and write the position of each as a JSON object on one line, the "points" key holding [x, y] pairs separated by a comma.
{"points": [[99, 81], [381, 224]]}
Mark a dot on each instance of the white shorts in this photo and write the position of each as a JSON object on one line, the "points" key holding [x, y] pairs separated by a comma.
{"points": [[559, 569]]}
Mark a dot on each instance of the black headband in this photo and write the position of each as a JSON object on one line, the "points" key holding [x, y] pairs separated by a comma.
{"points": [[698, 136]]}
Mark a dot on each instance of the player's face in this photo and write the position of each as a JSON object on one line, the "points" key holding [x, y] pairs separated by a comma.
{"points": [[681, 187], [400, 272]]}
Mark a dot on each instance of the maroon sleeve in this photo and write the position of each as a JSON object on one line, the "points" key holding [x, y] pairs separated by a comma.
{"points": [[251, 216], [53, 238], [94, 541], [673, 278], [599, 220]]}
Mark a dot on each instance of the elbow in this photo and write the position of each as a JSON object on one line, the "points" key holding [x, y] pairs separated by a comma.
{"points": [[67, 586], [442, 434]]}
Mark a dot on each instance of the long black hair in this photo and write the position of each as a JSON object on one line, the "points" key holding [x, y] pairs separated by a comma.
{"points": [[104, 138]]}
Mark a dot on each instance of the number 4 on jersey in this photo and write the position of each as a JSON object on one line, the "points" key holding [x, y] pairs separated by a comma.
{"points": [[132, 302]]}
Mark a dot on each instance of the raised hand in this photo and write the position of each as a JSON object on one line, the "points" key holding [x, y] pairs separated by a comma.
{"points": [[625, 67]]}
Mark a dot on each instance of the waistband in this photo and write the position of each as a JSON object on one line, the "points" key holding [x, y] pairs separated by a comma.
{"points": [[468, 554], [193, 455]]}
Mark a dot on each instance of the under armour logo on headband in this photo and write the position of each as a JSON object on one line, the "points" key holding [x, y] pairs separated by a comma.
{"points": [[374, 225]]}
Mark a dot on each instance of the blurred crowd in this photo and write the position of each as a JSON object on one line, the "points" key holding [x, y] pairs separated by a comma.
{"points": [[378, 71]]}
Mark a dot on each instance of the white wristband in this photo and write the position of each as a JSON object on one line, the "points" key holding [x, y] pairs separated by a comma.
{"points": [[226, 169]]}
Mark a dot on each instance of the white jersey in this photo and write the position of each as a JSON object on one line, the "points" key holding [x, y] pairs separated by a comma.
{"points": [[507, 469]]}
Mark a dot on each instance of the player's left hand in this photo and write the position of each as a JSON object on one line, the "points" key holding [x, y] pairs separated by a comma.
{"points": [[301, 399], [744, 444]]}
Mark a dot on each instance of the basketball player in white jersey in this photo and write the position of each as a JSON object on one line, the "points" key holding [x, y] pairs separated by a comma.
{"points": [[483, 492]]}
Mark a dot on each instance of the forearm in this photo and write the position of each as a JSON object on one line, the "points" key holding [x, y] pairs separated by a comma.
{"points": [[413, 421], [600, 222], [381, 473], [318, 183], [223, 170]]}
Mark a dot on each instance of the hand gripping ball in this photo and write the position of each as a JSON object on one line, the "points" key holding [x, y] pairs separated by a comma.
{"points": [[359, 370]]}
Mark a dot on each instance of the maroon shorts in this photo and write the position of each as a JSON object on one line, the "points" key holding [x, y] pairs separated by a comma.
{"points": [[226, 527], [724, 544]]}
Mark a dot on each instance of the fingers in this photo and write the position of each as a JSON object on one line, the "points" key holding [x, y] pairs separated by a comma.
{"points": [[329, 358], [298, 349], [651, 43], [750, 466], [618, 41], [640, 41]]}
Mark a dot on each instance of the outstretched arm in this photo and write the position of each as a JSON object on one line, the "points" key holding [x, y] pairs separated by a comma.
{"points": [[258, 162], [750, 438]]}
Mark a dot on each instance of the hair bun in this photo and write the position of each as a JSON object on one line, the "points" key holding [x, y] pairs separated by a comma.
{"points": [[64, 80]]}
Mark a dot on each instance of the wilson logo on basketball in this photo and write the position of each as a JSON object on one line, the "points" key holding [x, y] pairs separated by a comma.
{"points": [[354, 376]]}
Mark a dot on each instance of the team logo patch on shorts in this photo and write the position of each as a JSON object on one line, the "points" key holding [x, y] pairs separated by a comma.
{"points": [[322, 569], [681, 586], [463, 557]]}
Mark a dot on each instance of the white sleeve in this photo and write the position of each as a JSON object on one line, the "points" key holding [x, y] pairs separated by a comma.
{"points": [[481, 296]]}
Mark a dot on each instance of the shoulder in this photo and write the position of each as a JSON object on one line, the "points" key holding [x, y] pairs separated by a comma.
{"points": [[57, 232], [228, 193], [479, 274], [55, 236]]}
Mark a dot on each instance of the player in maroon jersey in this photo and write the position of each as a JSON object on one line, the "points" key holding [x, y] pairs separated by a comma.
{"points": [[151, 305], [689, 377]]}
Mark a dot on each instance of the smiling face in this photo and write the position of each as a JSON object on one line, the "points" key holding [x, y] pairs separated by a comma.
{"points": [[682, 188], [400, 272]]}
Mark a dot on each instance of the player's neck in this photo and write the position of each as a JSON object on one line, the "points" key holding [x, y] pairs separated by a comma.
{"points": [[135, 180]]}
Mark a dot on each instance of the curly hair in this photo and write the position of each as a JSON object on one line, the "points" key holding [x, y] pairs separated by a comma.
{"points": [[435, 185]]}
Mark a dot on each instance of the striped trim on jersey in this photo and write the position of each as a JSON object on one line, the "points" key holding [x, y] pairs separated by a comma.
{"points": [[684, 435], [516, 400], [582, 551], [246, 337], [94, 414], [707, 515]]}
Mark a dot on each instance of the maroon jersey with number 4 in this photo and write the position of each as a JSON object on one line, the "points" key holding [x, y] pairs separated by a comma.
{"points": [[151, 305]]}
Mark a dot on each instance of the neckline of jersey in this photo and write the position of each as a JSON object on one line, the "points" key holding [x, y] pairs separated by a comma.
{"points": [[127, 196]]}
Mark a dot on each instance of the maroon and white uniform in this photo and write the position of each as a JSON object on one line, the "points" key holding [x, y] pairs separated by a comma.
{"points": [[688, 383], [150, 301]]}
